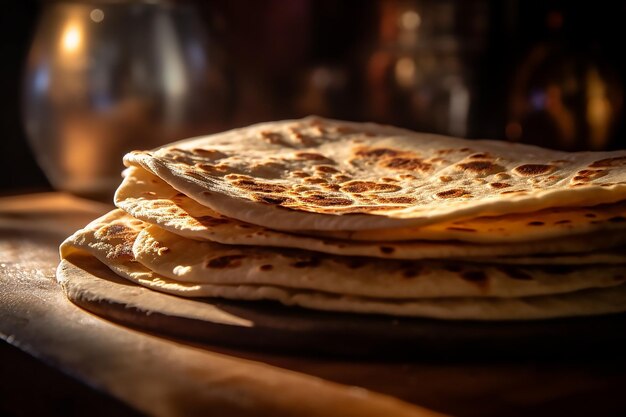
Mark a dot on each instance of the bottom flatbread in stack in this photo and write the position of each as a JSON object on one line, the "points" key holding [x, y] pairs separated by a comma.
{"points": [[519, 258], [163, 261]]}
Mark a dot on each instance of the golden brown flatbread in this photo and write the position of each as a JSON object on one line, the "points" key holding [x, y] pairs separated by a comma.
{"points": [[319, 174], [236, 273]]}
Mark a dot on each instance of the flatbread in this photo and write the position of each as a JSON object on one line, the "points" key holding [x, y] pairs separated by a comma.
{"points": [[147, 197], [319, 174], [169, 255], [548, 223], [210, 263], [110, 239]]}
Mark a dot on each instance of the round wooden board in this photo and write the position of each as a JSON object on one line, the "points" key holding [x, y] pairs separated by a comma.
{"points": [[267, 325]]}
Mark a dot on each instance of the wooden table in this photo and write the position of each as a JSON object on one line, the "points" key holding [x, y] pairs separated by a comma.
{"points": [[114, 370]]}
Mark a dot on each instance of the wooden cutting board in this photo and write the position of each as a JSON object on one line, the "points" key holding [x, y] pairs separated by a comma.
{"points": [[169, 376]]}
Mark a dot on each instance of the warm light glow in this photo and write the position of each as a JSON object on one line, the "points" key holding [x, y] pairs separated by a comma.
{"points": [[599, 111], [72, 38], [172, 69], [410, 20], [459, 108], [405, 72], [96, 15]]}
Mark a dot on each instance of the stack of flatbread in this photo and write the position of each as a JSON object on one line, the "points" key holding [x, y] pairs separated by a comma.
{"points": [[364, 218]]}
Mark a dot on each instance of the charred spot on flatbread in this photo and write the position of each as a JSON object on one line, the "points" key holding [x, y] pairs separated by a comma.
{"points": [[409, 164], [273, 199], [210, 221], [212, 154], [588, 175], [609, 162], [387, 249], [369, 186], [313, 156], [515, 273], [259, 186], [274, 138], [480, 156], [479, 167], [452, 193], [227, 261], [411, 272], [396, 200], [327, 169], [532, 170], [474, 276], [376, 153], [315, 180], [300, 174], [325, 200], [514, 192]]}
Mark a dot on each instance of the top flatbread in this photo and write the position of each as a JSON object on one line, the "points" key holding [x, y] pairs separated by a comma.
{"points": [[148, 198], [318, 174]]}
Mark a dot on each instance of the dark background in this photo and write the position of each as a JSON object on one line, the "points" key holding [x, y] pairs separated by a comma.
{"points": [[18, 170], [269, 51]]}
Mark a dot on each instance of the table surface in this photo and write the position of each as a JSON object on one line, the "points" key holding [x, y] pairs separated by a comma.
{"points": [[124, 369]]}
